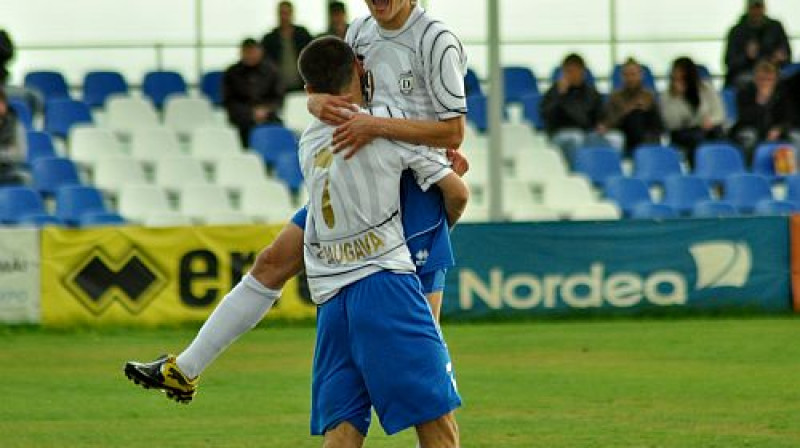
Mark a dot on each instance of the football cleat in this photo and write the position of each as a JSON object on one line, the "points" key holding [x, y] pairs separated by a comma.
{"points": [[162, 374]]}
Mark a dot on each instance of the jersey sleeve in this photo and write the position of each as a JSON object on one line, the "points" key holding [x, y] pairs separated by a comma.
{"points": [[429, 165], [446, 65]]}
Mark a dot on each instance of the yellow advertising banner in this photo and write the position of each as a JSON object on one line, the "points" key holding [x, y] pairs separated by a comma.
{"points": [[151, 276]]}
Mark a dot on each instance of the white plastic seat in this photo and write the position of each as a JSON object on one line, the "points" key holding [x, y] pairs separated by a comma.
{"points": [[565, 194], [113, 173], [295, 111], [126, 113], [516, 137], [184, 114], [138, 202], [539, 166], [200, 201], [267, 202], [227, 218], [517, 197], [152, 143], [475, 212], [210, 144], [87, 144], [166, 219], [174, 172], [235, 172], [599, 211]]}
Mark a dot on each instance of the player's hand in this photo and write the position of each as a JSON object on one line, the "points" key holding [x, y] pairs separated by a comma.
{"points": [[459, 162], [353, 135], [333, 110]]}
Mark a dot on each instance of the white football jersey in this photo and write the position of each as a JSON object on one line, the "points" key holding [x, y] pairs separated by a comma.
{"points": [[354, 226], [418, 69]]}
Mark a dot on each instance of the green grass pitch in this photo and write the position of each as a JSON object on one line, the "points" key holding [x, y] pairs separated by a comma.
{"points": [[619, 383]]}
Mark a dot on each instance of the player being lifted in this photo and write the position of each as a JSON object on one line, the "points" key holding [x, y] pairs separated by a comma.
{"points": [[418, 66]]}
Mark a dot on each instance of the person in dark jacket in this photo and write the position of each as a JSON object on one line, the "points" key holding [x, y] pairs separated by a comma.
{"points": [[283, 44], [337, 20], [764, 110], [12, 144], [756, 37], [252, 91], [6, 55]]}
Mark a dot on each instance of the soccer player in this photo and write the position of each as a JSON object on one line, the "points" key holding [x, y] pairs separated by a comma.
{"points": [[417, 63], [377, 341]]}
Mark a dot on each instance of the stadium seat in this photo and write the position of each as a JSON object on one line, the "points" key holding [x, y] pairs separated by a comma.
{"points": [[627, 193], [517, 137], [729, 102], [654, 163], [598, 163], [199, 201], [295, 111], [138, 201], [211, 86], [124, 114], [599, 211], [518, 81], [565, 194], [683, 192], [158, 85], [648, 210], [75, 200], [113, 173], [287, 169], [713, 209], [39, 220], [588, 75], [184, 114], [472, 85], [227, 219], [18, 203], [648, 80], [52, 173], [50, 84], [39, 145], [539, 165], [60, 115], [23, 112], [713, 162], [764, 162], [99, 85], [270, 141], [87, 144], [792, 188], [531, 110], [745, 190], [519, 200], [101, 219], [235, 172], [776, 207], [172, 173], [212, 143], [477, 112], [167, 219], [268, 202], [150, 144]]}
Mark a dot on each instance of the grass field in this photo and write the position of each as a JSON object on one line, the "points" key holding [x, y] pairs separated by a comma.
{"points": [[654, 383]]}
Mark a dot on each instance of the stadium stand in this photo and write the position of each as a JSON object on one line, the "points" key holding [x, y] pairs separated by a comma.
{"points": [[51, 84], [173, 172], [627, 193], [271, 141], [124, 114], [518, 81], [649, 210], [209, 144], [764, 159], [683, 192], [287, 169], [776, 207], [236, 172], [266, 202], [531, 110], [565, 194], [23, 112], [295, 111], [101, 219], [713, 209], [654, 163], [73, 201], [184, 114], [472, 85], [598, 163], [648, 80], [599, 211], [99, 85], [87, 144], [148, 144], [211, 86], [138, 201], [745, 190], [52, 173], [18, 204], [556, 75], [62, 114], [111, 174], [40, 144], [200, 202], [716, 161], [158, 85]]}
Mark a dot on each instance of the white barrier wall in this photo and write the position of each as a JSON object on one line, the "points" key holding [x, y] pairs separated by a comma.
{"points": [[19, 276]]}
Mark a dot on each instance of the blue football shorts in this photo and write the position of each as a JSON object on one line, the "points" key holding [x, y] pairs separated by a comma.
{"points": [[378, 346]]}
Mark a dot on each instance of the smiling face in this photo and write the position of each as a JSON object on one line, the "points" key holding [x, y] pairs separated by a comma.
{"points": [[390, 14]]}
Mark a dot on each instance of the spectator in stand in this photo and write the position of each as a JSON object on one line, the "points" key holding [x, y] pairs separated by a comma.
{"points": [[33, 98], [284, 43], [633, 109], [764, 110], [6, 55], [572, 109], [756, 37], [691, 109], [791, 88], [252, 91], [337, 20], [12, 144]]}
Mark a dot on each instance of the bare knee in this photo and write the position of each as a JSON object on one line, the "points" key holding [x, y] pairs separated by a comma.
{"points": [[344, 435], [439, 433]]}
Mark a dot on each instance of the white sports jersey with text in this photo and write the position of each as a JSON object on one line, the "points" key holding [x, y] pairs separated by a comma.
{"points": [[418, 69], [354, 225]]}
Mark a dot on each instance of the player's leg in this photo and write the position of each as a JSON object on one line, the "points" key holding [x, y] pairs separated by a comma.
{"points": [[433, 288], [439, 433], [343, 436]]}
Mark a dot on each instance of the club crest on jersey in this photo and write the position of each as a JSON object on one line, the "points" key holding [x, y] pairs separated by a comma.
{"points": [[406, 83]]}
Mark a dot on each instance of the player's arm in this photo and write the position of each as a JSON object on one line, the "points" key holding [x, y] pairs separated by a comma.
{"points": [[431, 167]]}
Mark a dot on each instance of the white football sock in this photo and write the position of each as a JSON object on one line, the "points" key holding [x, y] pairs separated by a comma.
{"points": [[241, 310]]}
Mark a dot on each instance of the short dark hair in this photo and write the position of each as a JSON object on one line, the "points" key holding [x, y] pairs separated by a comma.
{"points": [[574, 59], [336, 7], [326, 64], [249, 43], [286, 3]]}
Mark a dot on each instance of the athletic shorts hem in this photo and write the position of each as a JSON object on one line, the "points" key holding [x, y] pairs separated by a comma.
{"points": [[358, 423], [391, 429]]}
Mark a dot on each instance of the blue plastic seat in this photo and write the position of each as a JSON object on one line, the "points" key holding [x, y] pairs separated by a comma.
{"points": [[23, 112], [654, 163], [649, 210], [763, 161], [287, 169], [588, 75], [99, 85], [729, 102], [211, 86], [270, 141], [648, 80], [598, 163], [51, 85], [776, 207], [17, 203], [52, 173], [62, 114], [531, 109], [518, 81], [714, 162], [73, 201], [790, 69], [100, 219], [477, 112], [793, 188], [745, 190], [627, 192], [40, 145], [713, 209], [704, 72], [158, 85], [472, 85], [682, 193], [39, 220]]}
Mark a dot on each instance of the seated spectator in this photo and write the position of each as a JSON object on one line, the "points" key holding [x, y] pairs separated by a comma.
{"points": [[572, 109], [337, 20], [691, 109], [33, 98], [6, 55], [764, 110], [791, 88], [252, 92], [283, 44], [756, 37], [633, 109], [12, 144]]}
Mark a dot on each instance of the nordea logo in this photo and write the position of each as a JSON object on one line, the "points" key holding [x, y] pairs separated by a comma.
{"points": [[722, 263]]}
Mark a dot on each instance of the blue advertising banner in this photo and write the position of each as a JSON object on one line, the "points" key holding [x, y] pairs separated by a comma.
{"points": [[622, 266]]}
